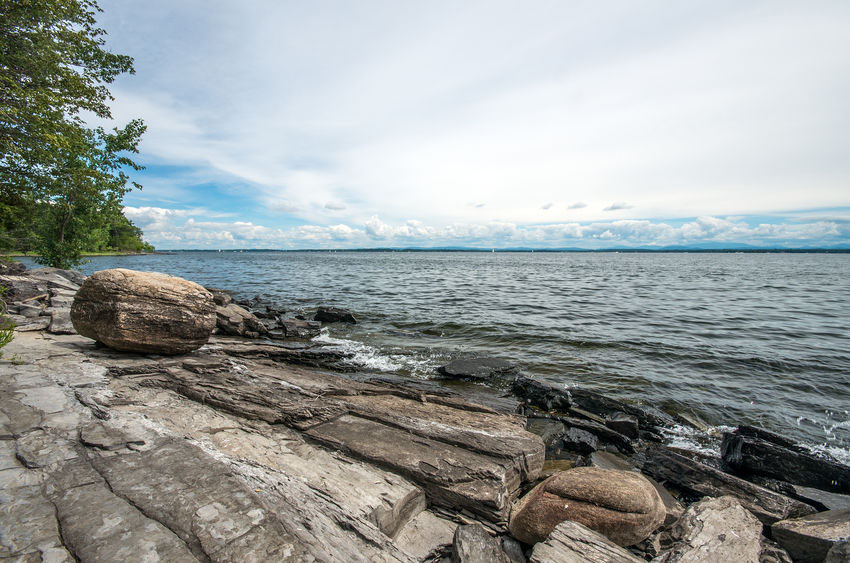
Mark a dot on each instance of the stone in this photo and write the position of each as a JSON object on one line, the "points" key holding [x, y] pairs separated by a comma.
{"points": [[822, 500], [296, 328], [24, 324], [472, 544], [621, 505], [60, 322], [30, 310], [581, 441], [426, 535], [839, 553], [571, 542], [623, 423], [717, 529], [477, 368], [808, 539], [607, 460], [50, 274], [699, 480], [750, 450], [11, 268], [234, 320], [513, 549], [334, 315], [22, 287], [143, 312], [550, 431], [221, 297]]}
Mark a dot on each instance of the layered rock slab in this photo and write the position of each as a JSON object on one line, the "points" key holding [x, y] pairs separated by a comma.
{"points": [[571, 542]]}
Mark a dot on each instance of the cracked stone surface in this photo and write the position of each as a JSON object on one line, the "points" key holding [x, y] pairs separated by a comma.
{"points": [[211, 456]]}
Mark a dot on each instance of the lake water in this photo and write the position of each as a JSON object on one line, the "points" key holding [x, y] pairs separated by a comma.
{"points": [[762, 339]]}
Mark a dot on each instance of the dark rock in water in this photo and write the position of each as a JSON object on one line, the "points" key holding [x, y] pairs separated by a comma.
{"points": [[234, 320], [542, 395], [697, 479], [295, 328], [221, 297], [477, 368], [581, 441], [144, 312], [754, 451], [548, 397], [810, 538], [571, 542], [604, 433], [472, 544], [334, 315], [623, 423]]}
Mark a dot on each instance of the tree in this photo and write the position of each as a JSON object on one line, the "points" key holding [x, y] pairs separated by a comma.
{"points": [[55, 71]]}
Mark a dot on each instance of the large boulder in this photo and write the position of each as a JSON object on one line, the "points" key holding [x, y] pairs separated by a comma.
{"points": [[144, 312], [621, 505]]}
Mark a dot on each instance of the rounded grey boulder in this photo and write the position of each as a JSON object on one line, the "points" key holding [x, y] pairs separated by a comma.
{"points": [[144, 312]]}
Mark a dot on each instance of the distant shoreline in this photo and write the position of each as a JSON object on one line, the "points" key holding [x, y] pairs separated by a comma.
{"points": [[533, 250], [112, 253]]}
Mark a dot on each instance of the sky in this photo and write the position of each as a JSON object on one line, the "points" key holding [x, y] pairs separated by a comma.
{"points": [[564, 124]]}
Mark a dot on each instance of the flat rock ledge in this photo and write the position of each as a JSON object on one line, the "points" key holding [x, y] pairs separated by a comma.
{"points": [[212, 456]]}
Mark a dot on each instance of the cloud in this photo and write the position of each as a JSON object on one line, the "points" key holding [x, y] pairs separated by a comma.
{"points": [[547, 206], [410, 113], [334, 206], [181, 228], [617, 206], [577, 205]]}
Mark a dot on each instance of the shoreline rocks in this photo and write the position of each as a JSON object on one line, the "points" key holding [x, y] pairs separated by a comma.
{"points": [[477, 368]]}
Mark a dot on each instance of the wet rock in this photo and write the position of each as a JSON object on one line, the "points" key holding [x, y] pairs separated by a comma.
{"points": [[571, 542], [472, 544], [548, 396], [477, 368], [550, 431], [236, 321], [718, 529], [700, 480], [621, 505], [581, 441], [334, 315], [143, 312], [623, 423], [810, 538], [750, 450], [296, 328]]}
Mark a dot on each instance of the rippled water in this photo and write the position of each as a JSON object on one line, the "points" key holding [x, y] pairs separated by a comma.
{"points": [[730, 338]]}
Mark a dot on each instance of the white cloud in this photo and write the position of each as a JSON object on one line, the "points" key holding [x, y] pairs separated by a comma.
{"points": [[617, 206], [400, 111]]}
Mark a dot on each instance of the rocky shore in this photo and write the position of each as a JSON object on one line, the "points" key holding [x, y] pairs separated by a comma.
{"points": [[147, 418]]}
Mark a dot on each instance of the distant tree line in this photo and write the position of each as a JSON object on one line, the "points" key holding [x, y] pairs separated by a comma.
{"points": [[62, 181]]}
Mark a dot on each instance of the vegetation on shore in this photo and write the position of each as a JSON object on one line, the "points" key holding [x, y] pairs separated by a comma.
{"points": [[62, 181]]}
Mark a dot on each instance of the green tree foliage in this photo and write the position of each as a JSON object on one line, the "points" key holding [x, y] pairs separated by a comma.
{"points": [[61, 181]]}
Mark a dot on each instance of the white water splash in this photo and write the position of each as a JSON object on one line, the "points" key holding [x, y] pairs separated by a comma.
{"points": [[688, 438], [357, 353]]}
